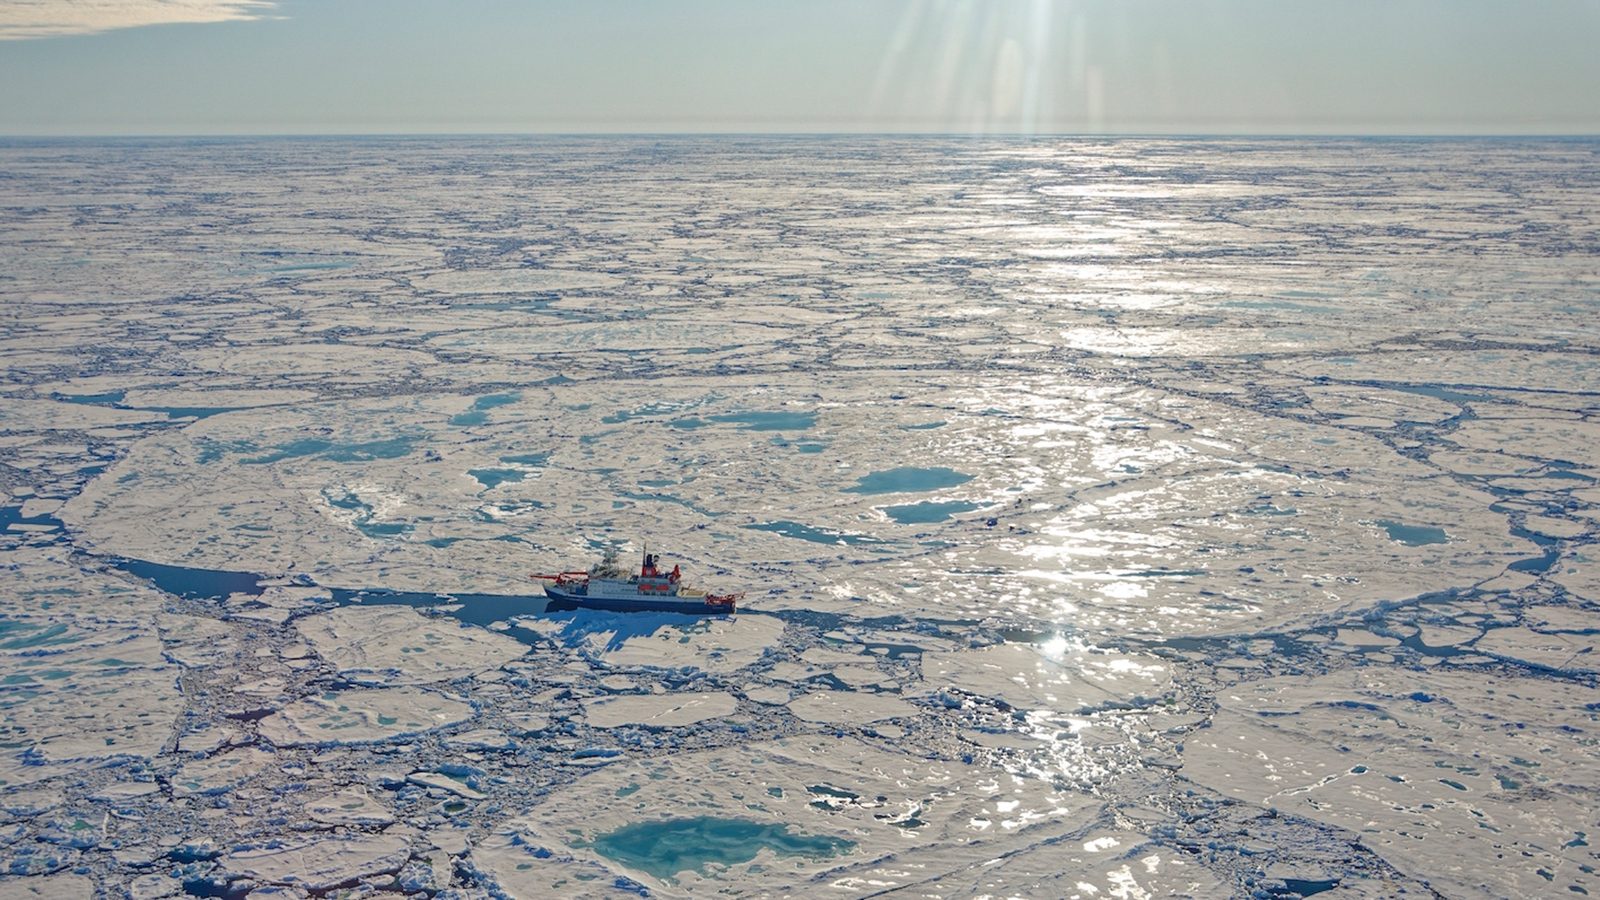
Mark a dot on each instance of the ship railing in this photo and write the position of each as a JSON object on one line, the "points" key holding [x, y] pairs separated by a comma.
{"points": [[574, 576]]}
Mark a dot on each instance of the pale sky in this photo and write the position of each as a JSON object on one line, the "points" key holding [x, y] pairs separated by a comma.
{"points": [[153, 67]]}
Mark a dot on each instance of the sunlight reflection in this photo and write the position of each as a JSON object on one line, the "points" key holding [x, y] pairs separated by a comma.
{"points": [[988, 64]]}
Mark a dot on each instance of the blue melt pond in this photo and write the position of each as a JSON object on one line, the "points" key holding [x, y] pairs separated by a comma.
{"points": [[1414, 535], [29, 635], [908, 478], [480, 407], [814, 535], [113, 397], [770, 421], [663, 849], [492, 477], [394, 448], [193, 412], [927, 511], [289, 451]]}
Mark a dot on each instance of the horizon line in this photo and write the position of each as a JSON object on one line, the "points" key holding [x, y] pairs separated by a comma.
{"points": [[965, 135]]}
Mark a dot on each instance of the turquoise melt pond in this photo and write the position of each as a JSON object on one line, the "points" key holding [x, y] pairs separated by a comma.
{"points": [[908, 479], [663, 849]]}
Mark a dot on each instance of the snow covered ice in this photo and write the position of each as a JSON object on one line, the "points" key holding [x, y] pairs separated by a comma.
{"points": [[1117, 518]]}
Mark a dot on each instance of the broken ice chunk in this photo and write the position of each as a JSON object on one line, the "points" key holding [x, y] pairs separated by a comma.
{"points": [[398, 645], [219, 774], [363, 717], [659, 710], [352, 807], [842, 708], [321, 864]]}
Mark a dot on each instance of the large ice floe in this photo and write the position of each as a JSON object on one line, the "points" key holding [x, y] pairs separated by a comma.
{"points": [[801, 815], [1127, 518], [1461, 760], [396, 645]]}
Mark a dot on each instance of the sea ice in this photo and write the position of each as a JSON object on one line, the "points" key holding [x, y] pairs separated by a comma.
{"points": [[838, 708], [658, 710], [480, 739], [321, 863], [115, 697], [196, 641], [1206, 562], [444, 783], [363, 716], [221, 773], [1081, 863], [668, 643], [377, 645], [1479, 805], [154, 887], [1030, 677], [881, 805], [1565, 652], [47, 887], [352, 808]]}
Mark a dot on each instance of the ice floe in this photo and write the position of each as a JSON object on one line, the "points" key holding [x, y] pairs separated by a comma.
{"points": [[1051, 678], [219, 774], [1460, 778], [845, 808], [319, 864], [385, 645], [836, 708], [117, 697], [658, 710], [352, 807], [362, 716]]}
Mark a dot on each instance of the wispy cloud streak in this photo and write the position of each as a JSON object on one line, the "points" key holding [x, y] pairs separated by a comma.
{"points": [[22, 19]]}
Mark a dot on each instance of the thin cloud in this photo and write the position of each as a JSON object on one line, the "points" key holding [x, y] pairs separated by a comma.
{"points": [[22, 19]]}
